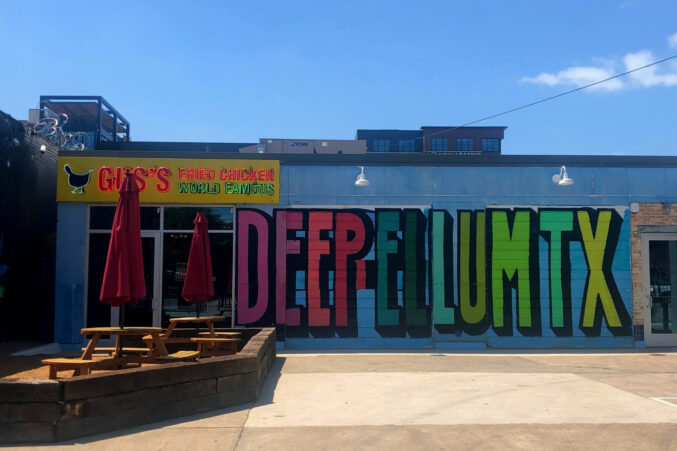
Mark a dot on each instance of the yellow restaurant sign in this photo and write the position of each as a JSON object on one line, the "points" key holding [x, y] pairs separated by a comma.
{"points": [[184, 181]]}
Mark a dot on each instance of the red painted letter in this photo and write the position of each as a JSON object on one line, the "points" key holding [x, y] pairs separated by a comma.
{"points": [[345, 223], [317, 221], [285, 220]]}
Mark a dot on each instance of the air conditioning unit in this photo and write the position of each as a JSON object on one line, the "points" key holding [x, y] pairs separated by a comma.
{"points": [[34, 115]]}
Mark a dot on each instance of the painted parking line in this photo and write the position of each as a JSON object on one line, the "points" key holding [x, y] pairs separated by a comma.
{"points": [[665, 401]]}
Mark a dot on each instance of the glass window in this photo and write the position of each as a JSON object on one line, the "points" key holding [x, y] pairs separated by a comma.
{"points": [[98, 313], [440, 144], [464, 144], [491, 145], [407, 145], [101, 217], [381, 145], [175, 262], [662, 275], [181, 218]]}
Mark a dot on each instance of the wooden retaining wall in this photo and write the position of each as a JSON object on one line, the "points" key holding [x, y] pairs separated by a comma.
{"points": [[42, 410]]}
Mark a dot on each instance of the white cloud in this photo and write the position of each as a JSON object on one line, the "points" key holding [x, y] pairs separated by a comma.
{"points": [[578, 76], [672, 41], [648, 76], [542, 79]]}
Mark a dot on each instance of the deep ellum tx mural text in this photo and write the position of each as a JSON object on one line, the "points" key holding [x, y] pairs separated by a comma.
{"points": [[304, 269]]}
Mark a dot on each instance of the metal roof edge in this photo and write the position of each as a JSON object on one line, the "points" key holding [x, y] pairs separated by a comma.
{"points": [[403, 159]]}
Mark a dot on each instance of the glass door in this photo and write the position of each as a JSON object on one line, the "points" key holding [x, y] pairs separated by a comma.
{"points": [[659, 257], [177, 237]]}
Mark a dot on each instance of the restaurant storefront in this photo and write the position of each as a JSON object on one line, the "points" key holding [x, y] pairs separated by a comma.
{"points": [[172, 192]]}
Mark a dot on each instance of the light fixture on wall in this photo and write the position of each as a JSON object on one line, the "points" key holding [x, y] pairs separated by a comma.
{"points": [[562, 178], [361, 178]]}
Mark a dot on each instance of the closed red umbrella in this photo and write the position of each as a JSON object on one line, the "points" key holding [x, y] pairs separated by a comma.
{"points": [[123, 279], [199, 285]]}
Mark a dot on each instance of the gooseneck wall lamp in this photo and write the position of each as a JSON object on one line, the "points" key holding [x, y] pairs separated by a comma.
{"points": [[562, 178], [361, 178]]}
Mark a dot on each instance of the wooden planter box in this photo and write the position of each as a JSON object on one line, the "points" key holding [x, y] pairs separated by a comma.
{"points": [[42, 410]]}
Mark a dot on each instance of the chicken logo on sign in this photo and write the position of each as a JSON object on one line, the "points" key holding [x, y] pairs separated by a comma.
{"points": [[77, 181]]}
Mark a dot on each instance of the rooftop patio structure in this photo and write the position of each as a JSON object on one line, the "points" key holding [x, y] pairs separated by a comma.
{"points": [[90, 114]]}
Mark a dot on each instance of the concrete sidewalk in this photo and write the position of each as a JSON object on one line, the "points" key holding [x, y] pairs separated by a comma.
{"points": [[424, 400]]}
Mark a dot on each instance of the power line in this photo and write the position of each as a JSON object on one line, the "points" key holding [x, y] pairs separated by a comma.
{"points": [[564, 93], [580, 88]]}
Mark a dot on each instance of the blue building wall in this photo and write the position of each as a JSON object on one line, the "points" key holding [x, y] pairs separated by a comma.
{"points": [[70, 273], [416, 194], [599, 195]]}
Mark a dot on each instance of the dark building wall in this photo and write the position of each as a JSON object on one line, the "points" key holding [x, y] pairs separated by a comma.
{"points": [[453, 134], [394, 137], [27, 233]]}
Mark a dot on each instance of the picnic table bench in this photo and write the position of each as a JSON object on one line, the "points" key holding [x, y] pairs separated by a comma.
{"points": [[124, 350], [186, 340], [82, 367], [178, 356], [220, 334], [212, 346]]}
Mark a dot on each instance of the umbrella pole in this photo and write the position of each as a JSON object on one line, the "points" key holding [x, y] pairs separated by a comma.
{"points": [[121, 316], [197, 314]]}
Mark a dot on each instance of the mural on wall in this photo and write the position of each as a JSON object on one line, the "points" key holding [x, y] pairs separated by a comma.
{"points": [[409, 272]]}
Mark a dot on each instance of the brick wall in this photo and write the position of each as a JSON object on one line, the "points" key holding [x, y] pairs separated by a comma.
{"points": [[654, 214]]}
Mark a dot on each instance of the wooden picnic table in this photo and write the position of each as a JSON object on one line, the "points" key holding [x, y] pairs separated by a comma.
{"points": [[207, 320], [208, 343], [151, 336], [87, 362], [157, 349]]}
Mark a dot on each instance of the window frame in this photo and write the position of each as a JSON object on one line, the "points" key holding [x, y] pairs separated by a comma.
{"points": [[439, 144], [380, 145], [406, 145], [487, 141], [465, 144]]}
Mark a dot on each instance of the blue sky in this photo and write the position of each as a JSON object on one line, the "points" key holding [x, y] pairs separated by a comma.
{"points": [[238, 71]]}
